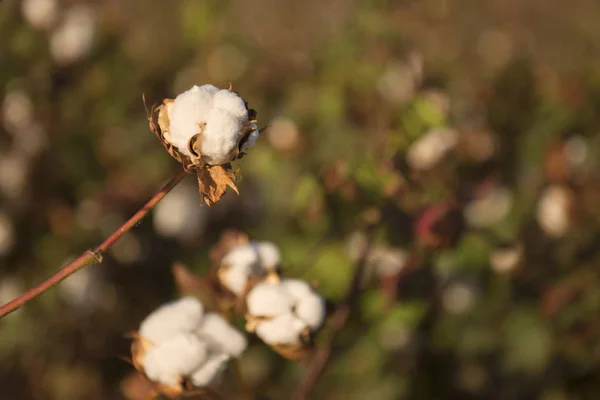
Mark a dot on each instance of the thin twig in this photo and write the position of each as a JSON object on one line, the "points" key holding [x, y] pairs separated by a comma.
{"points": [[91, 256], [337, 323]]}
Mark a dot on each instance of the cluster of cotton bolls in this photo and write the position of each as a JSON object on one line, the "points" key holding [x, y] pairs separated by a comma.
{"points": [[209, 123], [180, 346], [72, 31], [284, 314], [248, 263]]}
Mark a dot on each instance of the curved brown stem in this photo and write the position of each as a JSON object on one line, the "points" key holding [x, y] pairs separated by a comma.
{"points": [[338, 321], [94, 255]]}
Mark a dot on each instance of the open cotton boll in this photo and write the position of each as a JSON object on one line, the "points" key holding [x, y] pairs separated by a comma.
{"points": [[311, 310], [175, 358], [285, 329], [251, 141], [235, 278], [244, 254], [297, 288], [230, 102], [221, 135], [215, 329], [211, 372], [268, 254], [190, 109], [183, 315], [267, 300]]}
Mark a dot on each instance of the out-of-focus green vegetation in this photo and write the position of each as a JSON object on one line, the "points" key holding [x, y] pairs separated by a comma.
{"points": [[471, 126]]}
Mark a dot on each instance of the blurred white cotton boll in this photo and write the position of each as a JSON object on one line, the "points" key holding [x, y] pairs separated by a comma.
{"points": [[74, 37], [40, 14], [14, 169], [7, 233], [489, 209], [311, 310], [235, 277], [179, 356], [178, 214], [86, 290], [211, 372], [297, 288], [553, 210], [17, 111], [387, 261], [430, 148], [458, 298], [267, 300], [285, 329], [217, 330], [506, 259], [183, 315], [269, 254]]}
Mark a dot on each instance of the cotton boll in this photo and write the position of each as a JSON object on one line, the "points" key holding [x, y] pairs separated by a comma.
{"points": [[426, 152], [175, 358], [311, 310], [40, 14], [244, 254], [266, 300], [211, 372], [73, 39], [230, 102], [268, 254], [178, 215], [221, 135], [190, 109], [217, 330], [553, 210], [296, 288], [285, 329], [170, 319], [235, 278]]}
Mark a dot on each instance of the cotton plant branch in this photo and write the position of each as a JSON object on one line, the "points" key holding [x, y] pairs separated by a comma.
{"points": [[94, 255], [338, 322]]}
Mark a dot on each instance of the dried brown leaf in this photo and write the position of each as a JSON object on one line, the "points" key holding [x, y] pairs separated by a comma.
{"points": [[213, 182]]}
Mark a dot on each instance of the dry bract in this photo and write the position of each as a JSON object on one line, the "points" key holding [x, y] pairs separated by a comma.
{"points": [[206, 128]]}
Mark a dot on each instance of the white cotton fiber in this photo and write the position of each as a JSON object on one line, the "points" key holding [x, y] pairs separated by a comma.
{"points": [[244, 254], [311, 310], [297, 288], [175, 358], [190, 109], [211, 372], [268, 254], [221, 135], [268, 300], [235, 278], [217, 331], [285, 329], [232, 103], [183, 315], [223, 115]]}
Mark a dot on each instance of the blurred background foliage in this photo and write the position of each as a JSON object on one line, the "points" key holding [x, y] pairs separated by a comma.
{"points": [[470, 129]]}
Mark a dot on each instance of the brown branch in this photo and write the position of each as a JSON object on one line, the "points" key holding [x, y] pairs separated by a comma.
{"points": [[91, 256], [337, 323]]}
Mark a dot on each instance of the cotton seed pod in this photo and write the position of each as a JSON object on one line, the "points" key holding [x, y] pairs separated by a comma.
{"points": [[247, 263], [205, 128], [190, 351], [285, 315], [172, 318]]}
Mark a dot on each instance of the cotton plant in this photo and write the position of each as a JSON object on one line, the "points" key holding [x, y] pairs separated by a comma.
{"points": [[205, 128], [285, 314], [181, 348], [247, 263]]}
